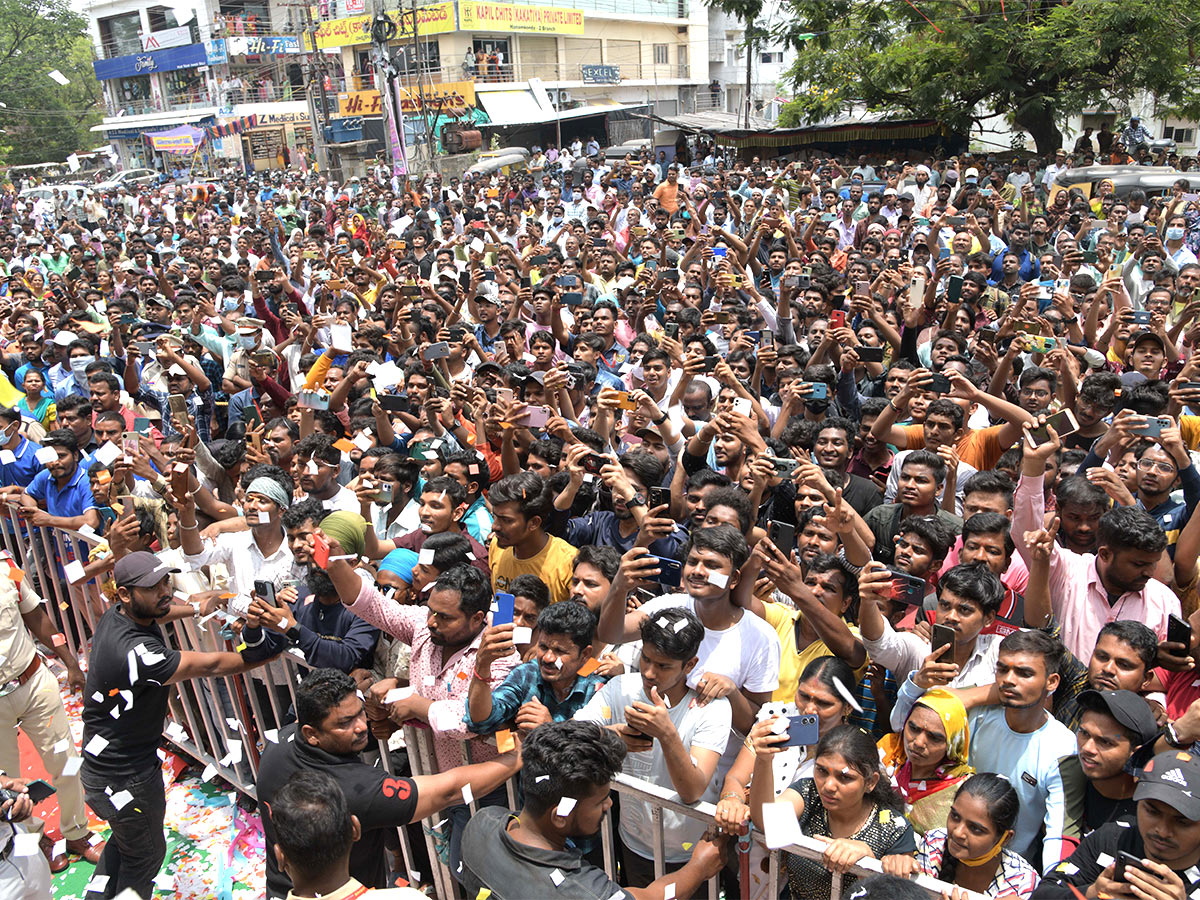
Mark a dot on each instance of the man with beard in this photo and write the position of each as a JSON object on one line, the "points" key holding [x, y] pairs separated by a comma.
{"points": [[329, 735], [1087, 590], [320, 463], [130, 671], [443, 502], [1163, 836]]}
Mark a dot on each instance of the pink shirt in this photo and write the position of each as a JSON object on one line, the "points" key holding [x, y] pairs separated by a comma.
{"points": [[1077, 598], [1016, 576], [443, 681]]}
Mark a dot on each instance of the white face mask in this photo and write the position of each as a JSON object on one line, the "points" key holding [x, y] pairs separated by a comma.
{"points": [[1175, 233], [246, 340], [79, 363]]}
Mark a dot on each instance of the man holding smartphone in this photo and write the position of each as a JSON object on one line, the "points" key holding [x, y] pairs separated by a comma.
{"points": [[1156, 850]]}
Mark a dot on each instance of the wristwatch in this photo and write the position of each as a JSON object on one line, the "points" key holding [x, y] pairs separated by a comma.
{"points": [[1172, 737], [638, 499], [293, 633], [660, 419]]}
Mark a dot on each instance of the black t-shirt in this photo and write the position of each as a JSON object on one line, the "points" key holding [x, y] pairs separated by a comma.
{"points": [[134, 661], [380, 801], [1100, 810]]}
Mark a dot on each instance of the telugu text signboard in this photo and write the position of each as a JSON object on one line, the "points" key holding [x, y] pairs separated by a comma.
{"points": [[451, 95], [435, 19], [483, 16]]}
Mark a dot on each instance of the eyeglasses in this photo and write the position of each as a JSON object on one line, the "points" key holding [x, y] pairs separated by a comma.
{"points": [[1152, 465]]}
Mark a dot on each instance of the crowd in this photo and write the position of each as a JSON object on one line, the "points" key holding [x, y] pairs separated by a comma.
{"points": [[851, 496]]}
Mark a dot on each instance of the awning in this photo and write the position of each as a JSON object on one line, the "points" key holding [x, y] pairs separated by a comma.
{"points": [[506, 108], [154, 121]]}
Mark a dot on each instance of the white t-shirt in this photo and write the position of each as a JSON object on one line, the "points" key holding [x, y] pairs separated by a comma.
{"points": [[699, 727]]}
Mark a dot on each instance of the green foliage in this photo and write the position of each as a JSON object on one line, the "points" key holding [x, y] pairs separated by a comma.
{"points": [[44, 121], [1035, 62]]}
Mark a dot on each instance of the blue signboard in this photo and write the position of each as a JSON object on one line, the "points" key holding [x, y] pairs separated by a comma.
{"points": [[264, 45], [216, 51], [186, 57], [601, 74]]}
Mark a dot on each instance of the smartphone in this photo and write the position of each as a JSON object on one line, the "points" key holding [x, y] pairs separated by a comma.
{"points": [[956, 221], [943, 635], [908, 588], [670, 572], [252, 417], [1153, 427], [536, 417], [1124, 859], [944, 253], [129, 444], [625, 401], [784, 465], [539, 260], [954, 288], [395, 402], [720, 318], [940, 384], [783, 536], [802, 731], [1179, 631], [837, 318], [39, 790], [986, 335], [320, 553], [314, 400], [916, 291], [573, 298], [261, 275], [870, 354], [710, 363], [504, 609], [266, 592], [1091, 257], [440, 350], [179, 410], [1141, 317], [658, 496], [1039, 344], [565, 280], [1063, 423], [766, 338], [593, 463], [820, 390], [671, 330]]}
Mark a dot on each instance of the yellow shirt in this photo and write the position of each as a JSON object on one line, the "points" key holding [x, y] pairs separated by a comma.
{"points": [[793, 661], [1189, 430], [552, 565]]}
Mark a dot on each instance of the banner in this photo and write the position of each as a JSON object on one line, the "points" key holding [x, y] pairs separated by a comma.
{"points": [[264, 45], [168, 60], [453, 95], [184, 139], [435, 19], [168, 37], [481, 16], [216, 51]]}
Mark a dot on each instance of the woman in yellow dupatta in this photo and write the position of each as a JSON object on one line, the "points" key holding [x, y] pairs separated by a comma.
{"points": [[928, 759]]}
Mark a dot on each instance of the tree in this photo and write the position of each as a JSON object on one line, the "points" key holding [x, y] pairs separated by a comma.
{"points": [[43, 120], [1033, 62]]}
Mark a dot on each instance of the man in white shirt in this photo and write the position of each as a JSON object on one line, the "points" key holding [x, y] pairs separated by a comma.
{"points": [[320, 462], [673, 741]]}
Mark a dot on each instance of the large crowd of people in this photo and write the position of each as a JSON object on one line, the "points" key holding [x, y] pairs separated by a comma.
{"points": [[852, 496]]}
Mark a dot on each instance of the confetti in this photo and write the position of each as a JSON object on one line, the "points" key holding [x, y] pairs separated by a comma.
{"points": [[425, 557], [565, 805], [25, 843], [395, 695], [589, 666], [74, 571], [557, 877], [96, 745], [719, 579], [71, 766], [505, 742], [121, 799], [522, 635], [780, 825], [468, 797]]}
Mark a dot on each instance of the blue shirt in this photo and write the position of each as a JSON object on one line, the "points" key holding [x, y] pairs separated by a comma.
{"points": [[331, 637], [602, 528], [24, 467], [199, 405], [524, 683], [73, 500]]}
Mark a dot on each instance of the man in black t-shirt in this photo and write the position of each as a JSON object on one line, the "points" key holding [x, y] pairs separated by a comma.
{"points": [[329, 735], [129, 675], [1113, 726]]}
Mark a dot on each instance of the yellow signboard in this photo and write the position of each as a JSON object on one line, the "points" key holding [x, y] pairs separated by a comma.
{"points": [[483, 16], [435, 19], [452, 95]]}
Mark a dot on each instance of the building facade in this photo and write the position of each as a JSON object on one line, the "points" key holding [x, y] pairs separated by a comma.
{"points": [[502, 65]]}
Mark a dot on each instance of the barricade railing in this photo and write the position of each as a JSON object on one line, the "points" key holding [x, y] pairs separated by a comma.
{"points": [[207, 714]]}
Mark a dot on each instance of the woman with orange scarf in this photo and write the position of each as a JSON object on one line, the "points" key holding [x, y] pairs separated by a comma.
{"points": [[928, 759]]}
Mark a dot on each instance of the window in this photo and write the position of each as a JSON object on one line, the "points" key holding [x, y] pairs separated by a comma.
{"points": [[683, 54], [771, 57], [1179, 135], [662, 54]]}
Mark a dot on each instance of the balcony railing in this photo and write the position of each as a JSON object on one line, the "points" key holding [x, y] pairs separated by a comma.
{"points": [[518, 71], [170, 103]]}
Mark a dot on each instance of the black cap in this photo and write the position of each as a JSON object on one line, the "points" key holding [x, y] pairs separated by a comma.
{"points": [[141, 569], [1135, 339], [1174, 778], [1129, 709]]}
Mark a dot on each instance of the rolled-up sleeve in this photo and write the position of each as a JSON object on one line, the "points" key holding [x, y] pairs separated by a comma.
{"points": [[902, 652]]}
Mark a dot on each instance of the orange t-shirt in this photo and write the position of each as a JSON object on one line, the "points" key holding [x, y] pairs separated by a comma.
{"points": [[977, 448], [667, 195]]}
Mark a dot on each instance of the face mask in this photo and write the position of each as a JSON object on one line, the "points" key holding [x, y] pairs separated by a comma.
{"points": [[578, 196], [1175, 234], [79, 363], [229, 304], [246, 341]]}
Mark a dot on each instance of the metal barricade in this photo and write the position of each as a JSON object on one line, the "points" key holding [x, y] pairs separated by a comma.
{"points": [[206, 714]]}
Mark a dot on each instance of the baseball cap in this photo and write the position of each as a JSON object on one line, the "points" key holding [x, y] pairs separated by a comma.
{"points": [[650, 428], [141, 569], [1174, 778], [1140, 336], [1130, 711], [971, 173]]}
